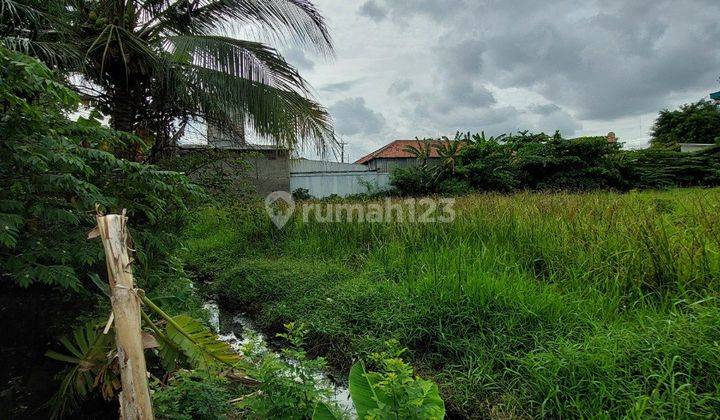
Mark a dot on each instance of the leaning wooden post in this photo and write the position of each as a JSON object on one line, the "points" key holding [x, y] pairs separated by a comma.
{"points": [[135, 401]]}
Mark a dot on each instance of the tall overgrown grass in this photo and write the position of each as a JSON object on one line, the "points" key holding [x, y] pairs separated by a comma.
{"points": [[567, 305]]}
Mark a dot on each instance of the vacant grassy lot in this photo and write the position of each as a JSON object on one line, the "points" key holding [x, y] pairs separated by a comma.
{"points": [[526, 305]]}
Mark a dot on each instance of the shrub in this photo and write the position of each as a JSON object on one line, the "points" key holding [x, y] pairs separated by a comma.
{"points": [[415, 180], [289, 386], [663, 168], [697, 122], [302, 194], [540, 162], [393, 391], [222, 173], [55, 172], [192, 396]]}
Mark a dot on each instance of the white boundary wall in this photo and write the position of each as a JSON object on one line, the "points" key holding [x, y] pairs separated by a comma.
{"points": [[323, 179]]}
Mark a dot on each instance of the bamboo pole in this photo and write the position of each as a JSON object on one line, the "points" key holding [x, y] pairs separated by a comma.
{"points": [[135, 401]]}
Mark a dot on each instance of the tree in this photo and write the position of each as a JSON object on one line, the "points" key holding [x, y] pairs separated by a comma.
{"points": [[422, 151], [448, 151], [697, 122], [153, 66], [53, 172]]}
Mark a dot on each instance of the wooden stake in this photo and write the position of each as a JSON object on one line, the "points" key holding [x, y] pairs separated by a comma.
{"points": [[135, 401]]}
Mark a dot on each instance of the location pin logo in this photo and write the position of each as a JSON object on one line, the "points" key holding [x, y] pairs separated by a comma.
{"points": [[280, 206]]}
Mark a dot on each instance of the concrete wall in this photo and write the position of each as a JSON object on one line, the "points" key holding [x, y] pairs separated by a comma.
{"points": [[269, 172], [226, 139], [307, 165], [323, 179], [387, 165]]}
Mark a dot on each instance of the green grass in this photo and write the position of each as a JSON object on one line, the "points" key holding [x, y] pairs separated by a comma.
{"points": [[526, 305]]}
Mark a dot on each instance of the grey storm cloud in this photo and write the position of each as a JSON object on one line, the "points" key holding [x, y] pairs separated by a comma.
{"points": [[404, 8], [340, 86], [400, 87], [372, 10], [595, 59], [352, 116], [544, 109], [297, 58]]}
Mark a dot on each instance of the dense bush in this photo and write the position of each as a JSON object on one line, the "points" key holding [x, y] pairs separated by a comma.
{"points": [[54, 172], [697, 122], [540, 162], [193, 396], [663, 168]]}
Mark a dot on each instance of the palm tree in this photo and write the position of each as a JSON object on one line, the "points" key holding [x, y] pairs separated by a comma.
{"points": [[154, 66], [421, 152], [448, 151]]}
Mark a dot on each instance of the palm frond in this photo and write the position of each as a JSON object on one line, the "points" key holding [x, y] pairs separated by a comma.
{"points": [[52, 53], [36, 32], [287, 118], [89, 351], [297, 21], [250, 60], [99, 52], [17, 14]]}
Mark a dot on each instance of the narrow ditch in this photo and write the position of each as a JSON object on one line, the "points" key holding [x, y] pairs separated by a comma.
{"points": [[237, 329]]}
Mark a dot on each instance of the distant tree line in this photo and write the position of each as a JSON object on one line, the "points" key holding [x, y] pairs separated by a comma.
{"points": [[527, 161]]}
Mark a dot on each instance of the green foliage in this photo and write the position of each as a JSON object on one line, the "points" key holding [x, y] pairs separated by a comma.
{"points": [[526, 305], [53, 174], [192, 395], [431, 179], [199, 345], [393, 392], [697, 122], [184, 343], [94, 365], [415, 180], [540, 162], [290, 386], [323, 412], [301, 194], [662, 168], [487, 164]]}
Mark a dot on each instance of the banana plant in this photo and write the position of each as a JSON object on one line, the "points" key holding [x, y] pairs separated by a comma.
{"points": [[421, 152], [182, 342], [448, 152], [393, 393], [94, 365]]}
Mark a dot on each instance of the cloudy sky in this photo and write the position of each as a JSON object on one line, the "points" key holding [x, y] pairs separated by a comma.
{"points": [[406, 68]]}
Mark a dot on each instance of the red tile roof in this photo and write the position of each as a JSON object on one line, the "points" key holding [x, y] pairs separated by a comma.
{"points": [[396, 150]]}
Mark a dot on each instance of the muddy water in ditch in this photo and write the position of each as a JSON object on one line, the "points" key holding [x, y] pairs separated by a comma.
{"points": [[237, 330]]}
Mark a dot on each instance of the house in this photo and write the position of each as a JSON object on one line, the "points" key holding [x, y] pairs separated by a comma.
{"points": [[395, 155]]}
